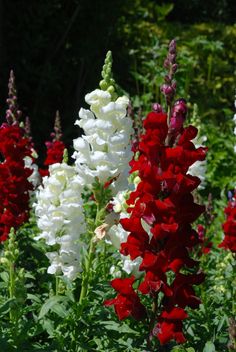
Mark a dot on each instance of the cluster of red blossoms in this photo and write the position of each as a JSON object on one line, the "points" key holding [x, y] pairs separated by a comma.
{"points": [[55, 148], [164, 201], [14, 184], [229, 227]]}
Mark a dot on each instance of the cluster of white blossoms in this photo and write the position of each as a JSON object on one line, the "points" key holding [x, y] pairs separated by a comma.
{"points": [[104, 151], [59, 209]]}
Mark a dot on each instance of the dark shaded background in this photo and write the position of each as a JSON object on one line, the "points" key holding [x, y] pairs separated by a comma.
{"points": [[56, 49]]}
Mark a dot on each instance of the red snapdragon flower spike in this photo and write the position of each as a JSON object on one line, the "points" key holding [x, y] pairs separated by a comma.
{"points": [[55, 148], [229, 227], [127, 301], [206, 245], [14, 184], [163, 200], [55, 152]]}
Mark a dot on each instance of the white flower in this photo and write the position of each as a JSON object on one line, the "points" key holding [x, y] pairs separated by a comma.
{"points": [[199, 167], [59, 210], [34, 178], [104, 151], [132, 266]]}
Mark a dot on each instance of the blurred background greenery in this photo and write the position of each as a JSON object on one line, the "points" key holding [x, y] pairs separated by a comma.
{"points": [[56, 49]]}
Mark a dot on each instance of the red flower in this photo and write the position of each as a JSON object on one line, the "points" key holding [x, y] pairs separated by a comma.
{"points": [[55, 148], [127, 301], [229, 227], [55, 152], [170, 325]]}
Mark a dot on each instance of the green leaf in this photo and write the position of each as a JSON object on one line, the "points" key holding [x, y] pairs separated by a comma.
{"points": [[4, 276], [4, 309], [48, 326], [60, 310], [33, 298], [122, 328], [209, 347], [49, 305]]}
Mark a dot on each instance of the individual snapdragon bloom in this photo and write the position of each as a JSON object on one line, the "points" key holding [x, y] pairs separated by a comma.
{"points": [[104, 150], [199, 167], [59, 209], [34, 178]]}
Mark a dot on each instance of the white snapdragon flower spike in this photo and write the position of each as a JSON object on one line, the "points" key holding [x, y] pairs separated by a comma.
{"points": [[199, 167], [104, 151], [59, 210]]}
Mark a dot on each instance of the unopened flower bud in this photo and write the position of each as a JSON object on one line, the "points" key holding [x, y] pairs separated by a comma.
{"points": [[174, 85], [7, 254], [103, 84], [167, 79], [166, 63], [174, 68], [180, 106], [172, 47], [111, 89], [16, 252], [167, 90], [156, 107], [11, 246], [4, 260]]}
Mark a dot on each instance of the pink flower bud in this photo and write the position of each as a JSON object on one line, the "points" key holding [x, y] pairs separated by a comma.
{"points": [[156, 107], [174, 68], [172, 47]]}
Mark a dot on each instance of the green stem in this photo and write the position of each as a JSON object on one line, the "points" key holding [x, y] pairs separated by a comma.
{"points": [[152, 322], [234, 285], [89, 261], [11, 287], [57, 285], [209, 71]]}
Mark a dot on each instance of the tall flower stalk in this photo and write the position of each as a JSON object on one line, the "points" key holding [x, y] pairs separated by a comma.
{"points": [[102, 155], [59, 210], [162, 210], [15, 146]]}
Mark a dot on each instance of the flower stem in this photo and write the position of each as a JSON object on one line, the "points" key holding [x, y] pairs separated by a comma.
{"points": [[88, 264], [11, 287], [57, 285], [152, 322]]}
